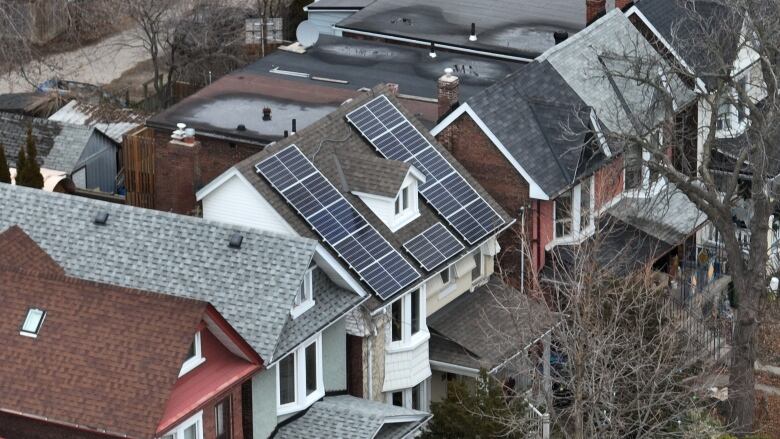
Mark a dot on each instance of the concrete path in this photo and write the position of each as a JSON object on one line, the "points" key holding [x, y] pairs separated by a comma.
{"points": [[97, 64]]}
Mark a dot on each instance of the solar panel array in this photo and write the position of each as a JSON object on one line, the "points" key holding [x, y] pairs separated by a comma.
{"points": [[445, 189], [434, 246], [341, 226]]}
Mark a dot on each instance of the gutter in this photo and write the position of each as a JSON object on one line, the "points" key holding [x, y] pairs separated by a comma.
{"points": [[62, 423]]}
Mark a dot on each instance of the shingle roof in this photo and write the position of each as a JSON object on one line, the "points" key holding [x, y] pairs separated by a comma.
{"points": [[493, 322], [350, 417], [92, 363], [373, 175], [59, 145], [331, 136], [554, 147], [521, 28], [253, 288]]}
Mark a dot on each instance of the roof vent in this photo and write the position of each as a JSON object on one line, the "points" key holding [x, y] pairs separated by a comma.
{"points": [[32, 323], [432, 53], [294, 127], [267, 113], [101, 218], [235, 240], [241, 127], [473, 36]]}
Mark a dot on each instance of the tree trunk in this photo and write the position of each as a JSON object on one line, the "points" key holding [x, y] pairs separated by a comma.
{"points": [[742, 379]]}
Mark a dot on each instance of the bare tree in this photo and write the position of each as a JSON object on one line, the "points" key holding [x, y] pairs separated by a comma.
{"points": [[728, 159]]}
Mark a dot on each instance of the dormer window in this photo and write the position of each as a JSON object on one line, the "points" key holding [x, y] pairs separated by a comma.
{"points": [[304, 300], [406, 208], [32, 323], [402, 201], [194, 356]]}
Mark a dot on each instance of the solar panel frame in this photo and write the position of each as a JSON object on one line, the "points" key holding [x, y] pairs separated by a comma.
{"points": [[332, 217], [434, 246], [445, 189]]}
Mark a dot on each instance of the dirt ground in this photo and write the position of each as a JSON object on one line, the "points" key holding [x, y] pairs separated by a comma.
{"points": [[132, 81]]}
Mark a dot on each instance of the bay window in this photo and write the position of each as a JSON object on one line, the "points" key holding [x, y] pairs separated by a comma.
{"points": [[573, 211], [413, 398], [299, 378], [407, 318], [192, 428]]}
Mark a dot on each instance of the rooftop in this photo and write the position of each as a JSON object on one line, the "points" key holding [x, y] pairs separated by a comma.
{"points": [[101, 332], [252, 287], [111, 121], [309, 86], [514, 28]]}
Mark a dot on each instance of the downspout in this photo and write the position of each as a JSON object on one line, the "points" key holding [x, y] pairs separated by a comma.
{"points": [[538, 232], [522, 249], [370, 367]]}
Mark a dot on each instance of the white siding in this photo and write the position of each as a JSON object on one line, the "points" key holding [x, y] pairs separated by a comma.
{"points": [[236, 202], [407, 368]]}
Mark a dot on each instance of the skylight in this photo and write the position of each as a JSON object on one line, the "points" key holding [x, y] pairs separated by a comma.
{"points": [[33, 321]]}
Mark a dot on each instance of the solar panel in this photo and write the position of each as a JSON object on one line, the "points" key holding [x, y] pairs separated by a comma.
{"points": [[341, 226], [433, 247], [445, 189]]}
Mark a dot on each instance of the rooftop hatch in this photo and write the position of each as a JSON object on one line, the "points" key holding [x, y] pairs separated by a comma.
{"points": [[32, 323]]}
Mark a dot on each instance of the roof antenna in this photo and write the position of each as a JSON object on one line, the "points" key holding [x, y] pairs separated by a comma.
{"points": [[473, 36], [433, 50]]}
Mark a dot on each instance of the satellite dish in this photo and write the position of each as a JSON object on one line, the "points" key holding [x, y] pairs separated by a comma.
{"points": [[307, 34]]}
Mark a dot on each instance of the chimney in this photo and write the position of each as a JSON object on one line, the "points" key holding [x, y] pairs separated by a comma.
{"points": [[623, 4], [393, 88], [560, 36], [594, 9], [448, 92]]}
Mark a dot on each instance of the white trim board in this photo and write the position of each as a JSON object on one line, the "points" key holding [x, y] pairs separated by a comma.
{"points": [[535, 191]]}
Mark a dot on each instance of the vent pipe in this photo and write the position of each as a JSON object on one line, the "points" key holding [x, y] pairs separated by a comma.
{"points": [[473, 36], [293, 127], [432, 54]]}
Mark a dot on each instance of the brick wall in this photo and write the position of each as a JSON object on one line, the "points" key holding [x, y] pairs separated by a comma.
{"points": [[180, 171], [466, 141], [609, 182], [236, 428]]}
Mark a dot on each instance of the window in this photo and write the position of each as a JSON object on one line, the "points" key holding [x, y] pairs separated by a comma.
{"points": [[563, 215], [445, 276], [585, 200], [415, 298], [398, 399], [414, 398], [299, 378], [287, 380], [222, 419], [192, 428], [33, 322], [724, 115], [398, 313], [194, 356], [478, 271], [417, 397], [407, 318], [304, 300], [402, 201]]}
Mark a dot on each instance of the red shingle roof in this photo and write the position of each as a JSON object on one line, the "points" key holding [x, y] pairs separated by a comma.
{"points": [[105, 359]]}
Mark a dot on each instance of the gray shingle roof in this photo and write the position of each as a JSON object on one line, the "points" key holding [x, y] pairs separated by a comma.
{"points": [[59, 145], [536, 101], [494, 322], [514, 27], [332, 137], [350, 417], [253, 288], [330, 303], [373, 175]]}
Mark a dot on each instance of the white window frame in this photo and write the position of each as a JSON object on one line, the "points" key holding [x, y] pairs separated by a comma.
{"points": [[34, 332], [403, 216], [305, 303], [577, 233], [407, 338], [194, 361], [302, 401], [733, 126], [178, 431], [480, 265], [407, 396]]}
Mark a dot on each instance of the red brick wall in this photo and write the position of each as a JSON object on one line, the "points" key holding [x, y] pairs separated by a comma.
{"points": [[472, 148], [209, 426], [609, 182], [180, 170], [543, 233]]}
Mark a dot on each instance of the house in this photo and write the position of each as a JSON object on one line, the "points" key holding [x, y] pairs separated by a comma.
{"points": [[515, 30], [78, 356], [564, 174], [66, 153], [109, 120], [240, 113], [414, 230], [278, 292]]}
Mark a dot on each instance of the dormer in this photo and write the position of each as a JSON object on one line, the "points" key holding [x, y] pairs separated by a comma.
{"points": [[388, 187]]}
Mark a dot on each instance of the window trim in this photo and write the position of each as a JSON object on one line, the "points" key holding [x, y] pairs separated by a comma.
{"points": [[196, 360], [407, 396], [308, 291], [577, 232], [403, 216], [408, 339], [301, 401], [178, 431], [481, 265]]}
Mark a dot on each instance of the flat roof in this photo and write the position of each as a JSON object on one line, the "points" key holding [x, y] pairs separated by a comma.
{"points": [[239, 97], [518, 28], [338, 5]]}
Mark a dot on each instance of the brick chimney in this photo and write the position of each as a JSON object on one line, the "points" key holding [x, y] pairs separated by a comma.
{"points": [[622, 4], [448, 92], [594, 9]]}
